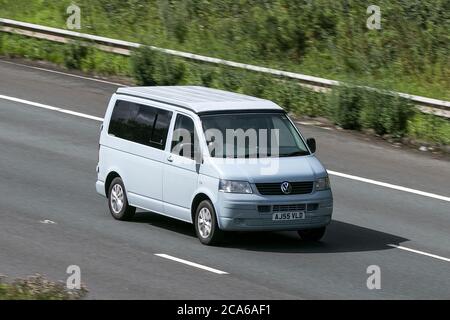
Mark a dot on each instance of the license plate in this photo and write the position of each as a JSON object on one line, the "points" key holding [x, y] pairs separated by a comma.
{"points": [[286, 216]]}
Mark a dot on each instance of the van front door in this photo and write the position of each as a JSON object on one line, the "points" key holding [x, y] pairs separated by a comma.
{"points": [[180, 177]]}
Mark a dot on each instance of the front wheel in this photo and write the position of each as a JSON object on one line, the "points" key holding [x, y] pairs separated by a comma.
{"points": [[312, 234], [206, 226], [118, 201]]}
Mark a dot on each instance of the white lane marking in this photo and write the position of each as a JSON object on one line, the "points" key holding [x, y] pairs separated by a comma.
{"points": [[420, 252], [44, 106], [189, 263], [335, 173], [64, 73], [388, 185], [47, 221]]}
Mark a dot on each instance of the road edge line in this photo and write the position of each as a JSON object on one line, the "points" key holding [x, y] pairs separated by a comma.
{"points": [[389, 185]]}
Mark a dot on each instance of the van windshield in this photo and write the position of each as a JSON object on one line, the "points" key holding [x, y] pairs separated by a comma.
{"points": [[252, 135]]}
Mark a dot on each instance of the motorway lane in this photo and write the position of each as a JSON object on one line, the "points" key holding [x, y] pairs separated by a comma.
{"points": [[61, 91], [47, 167], [47, 172]]}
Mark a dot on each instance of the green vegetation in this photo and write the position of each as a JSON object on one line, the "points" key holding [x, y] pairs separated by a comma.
{"points": [[360, 108], [154, 68], [428, 128], [72, 56], [322, 37], [38, 288], [351, 107]]}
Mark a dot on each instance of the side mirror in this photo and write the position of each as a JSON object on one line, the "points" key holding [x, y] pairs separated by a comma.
{"points": [[311, 142]]}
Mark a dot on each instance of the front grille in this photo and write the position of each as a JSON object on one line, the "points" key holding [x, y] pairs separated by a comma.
{"points": [[309, 220], [289, 207], [275, 188]]}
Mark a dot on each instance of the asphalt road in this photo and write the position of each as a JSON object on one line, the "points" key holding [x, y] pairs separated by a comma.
{"points": [[47, 172]]}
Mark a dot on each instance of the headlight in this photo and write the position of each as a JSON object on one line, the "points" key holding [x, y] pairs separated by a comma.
{"points": [[322, 184], [229, 186]]}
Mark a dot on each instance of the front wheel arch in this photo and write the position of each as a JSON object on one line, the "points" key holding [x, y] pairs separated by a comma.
{"points": [[196, 202]]}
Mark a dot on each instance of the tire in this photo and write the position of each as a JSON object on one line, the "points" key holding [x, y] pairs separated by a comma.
{"points": [[118, 201], [205, 216], [312, 234]]}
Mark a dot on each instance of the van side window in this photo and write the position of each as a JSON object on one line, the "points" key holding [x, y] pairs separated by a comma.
{"points": [[121, 124], [184, 138], [141, 124], [161, 129]]}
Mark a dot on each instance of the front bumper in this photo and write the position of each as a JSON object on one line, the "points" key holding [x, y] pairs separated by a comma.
{"points": [[241, 212]]}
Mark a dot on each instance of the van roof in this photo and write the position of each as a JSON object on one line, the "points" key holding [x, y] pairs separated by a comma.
{"points": [[200, 99]]}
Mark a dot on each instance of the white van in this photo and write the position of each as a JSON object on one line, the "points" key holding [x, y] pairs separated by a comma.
{"points": [[220, 160]]}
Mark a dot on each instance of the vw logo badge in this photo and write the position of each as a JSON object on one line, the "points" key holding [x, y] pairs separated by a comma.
{"points": [[286, 187]]}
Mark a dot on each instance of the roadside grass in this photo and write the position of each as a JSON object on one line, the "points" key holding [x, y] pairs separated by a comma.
{"points": [[324, 38], [38, 288], [71, 56], [427, 128]]}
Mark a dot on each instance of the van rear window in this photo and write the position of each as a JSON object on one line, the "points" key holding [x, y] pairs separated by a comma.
{"points": [[140, 123]]}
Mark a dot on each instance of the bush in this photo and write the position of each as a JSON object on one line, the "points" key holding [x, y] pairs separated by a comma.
{"points": [[287, 93], [385, 113], [258, 85], [74, 54], [306, 102], [151, 68], [207, 76], [38, 288], [358, 107], [347, 103], [230, 79]]}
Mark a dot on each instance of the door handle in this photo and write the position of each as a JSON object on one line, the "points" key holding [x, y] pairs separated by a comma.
{"points": [[170, 159]]}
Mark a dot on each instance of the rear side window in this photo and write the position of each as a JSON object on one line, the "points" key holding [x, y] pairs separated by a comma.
{"points": [[141, 124], [122, 120], [161, 128]]}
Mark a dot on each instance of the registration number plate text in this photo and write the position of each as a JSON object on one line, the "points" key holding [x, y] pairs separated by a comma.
{"points": [[283, 216]]}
